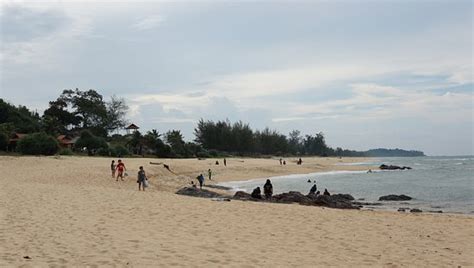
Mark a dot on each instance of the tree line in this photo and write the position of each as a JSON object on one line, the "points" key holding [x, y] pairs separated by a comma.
{"points": [[95, 120]]}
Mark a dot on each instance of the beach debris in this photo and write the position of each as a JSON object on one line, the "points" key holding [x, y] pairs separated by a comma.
{"points": [[156, 163], [402, 209], [196, 192], [27, 257], [393, 167], [415, 210], [394, 197]]}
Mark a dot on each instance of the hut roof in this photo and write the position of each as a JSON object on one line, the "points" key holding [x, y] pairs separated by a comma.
{"points": [[132, 126]]}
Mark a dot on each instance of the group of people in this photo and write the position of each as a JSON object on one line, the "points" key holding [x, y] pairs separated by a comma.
{"points": [[120, 169], [314, 191], [268, 191]]}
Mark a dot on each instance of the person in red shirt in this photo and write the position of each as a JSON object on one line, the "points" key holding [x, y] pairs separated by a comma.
{"points": [[120, 169]]}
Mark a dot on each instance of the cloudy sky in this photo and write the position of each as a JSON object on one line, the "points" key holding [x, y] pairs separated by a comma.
{"points": [[369, 74]]}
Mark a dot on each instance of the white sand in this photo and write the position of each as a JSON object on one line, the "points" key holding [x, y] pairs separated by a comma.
{"points": [[69, 211]]}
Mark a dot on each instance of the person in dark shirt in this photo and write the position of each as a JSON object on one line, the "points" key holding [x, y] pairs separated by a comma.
{"points": [[112, 168], [326, 192], [313, 189], [200, 179], [141, 180], [268, 189], [257, 193]]}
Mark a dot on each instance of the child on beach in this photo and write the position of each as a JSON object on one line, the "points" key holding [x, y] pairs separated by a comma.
{"points": [[120, 168], [141, 180], [112, 168]]}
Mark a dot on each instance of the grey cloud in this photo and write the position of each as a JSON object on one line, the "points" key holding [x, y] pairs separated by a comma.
{"points": [[23, 24]]}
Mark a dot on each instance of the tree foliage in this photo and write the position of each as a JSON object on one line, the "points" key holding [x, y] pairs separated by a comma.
{"points": [[18, 118], [90, 142], [38, 144]]}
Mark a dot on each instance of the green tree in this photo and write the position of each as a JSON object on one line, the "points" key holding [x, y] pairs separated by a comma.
{"points": [[136, 143], [90, 142], [38, 144], [3, 141], [175, 139], [116, 111], [21, 118]]}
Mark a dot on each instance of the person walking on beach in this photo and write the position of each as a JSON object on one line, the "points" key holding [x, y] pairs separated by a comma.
{"points": [[225, 162], [141, 180], [268, 189], [120, 168], [209, 172], [112, 168], [200, 179], [281, 163]]}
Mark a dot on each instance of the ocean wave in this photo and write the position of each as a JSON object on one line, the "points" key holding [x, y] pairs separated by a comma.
{"points": [[234, 184]]}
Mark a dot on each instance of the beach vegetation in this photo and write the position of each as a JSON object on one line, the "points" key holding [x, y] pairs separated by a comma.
{"points": [[3, 141], [90, 143], [38, 144]]}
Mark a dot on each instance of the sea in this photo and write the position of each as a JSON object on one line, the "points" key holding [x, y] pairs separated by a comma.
{"points": [[435, 183]]}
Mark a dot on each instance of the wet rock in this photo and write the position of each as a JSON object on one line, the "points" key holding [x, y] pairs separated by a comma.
{"points": [[196, 192], [394, 197], [393, 167], [415, 210], [401, 209], [347, 197], [291, 197], [331, 202], [241, 195]]}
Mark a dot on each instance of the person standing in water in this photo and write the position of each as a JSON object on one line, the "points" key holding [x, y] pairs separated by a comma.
{"points": [[120, 168], [141, 180], [209, 172], [112, 168]]}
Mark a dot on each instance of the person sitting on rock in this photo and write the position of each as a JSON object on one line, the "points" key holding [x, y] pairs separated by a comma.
{"points": [[268, 189], [313, 189], [326, 192], [257, 193]]}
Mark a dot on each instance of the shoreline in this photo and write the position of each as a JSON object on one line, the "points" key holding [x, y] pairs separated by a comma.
{"points": [[68, 211]]}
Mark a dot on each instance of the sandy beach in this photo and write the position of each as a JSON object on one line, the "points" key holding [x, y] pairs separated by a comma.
{"points": [[68, 211]]}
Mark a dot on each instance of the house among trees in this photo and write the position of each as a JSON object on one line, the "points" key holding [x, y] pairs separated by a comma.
{"points": [[66, 141], [15, 137], [132, 128]]}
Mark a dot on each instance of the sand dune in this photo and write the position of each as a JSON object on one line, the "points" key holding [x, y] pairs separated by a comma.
{"points": [[68, 211]]}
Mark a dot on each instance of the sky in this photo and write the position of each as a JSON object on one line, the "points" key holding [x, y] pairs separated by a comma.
{"points": [[368, 74]]}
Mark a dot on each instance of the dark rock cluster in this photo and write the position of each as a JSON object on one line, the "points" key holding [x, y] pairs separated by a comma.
{"points": [[392, 167]]}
